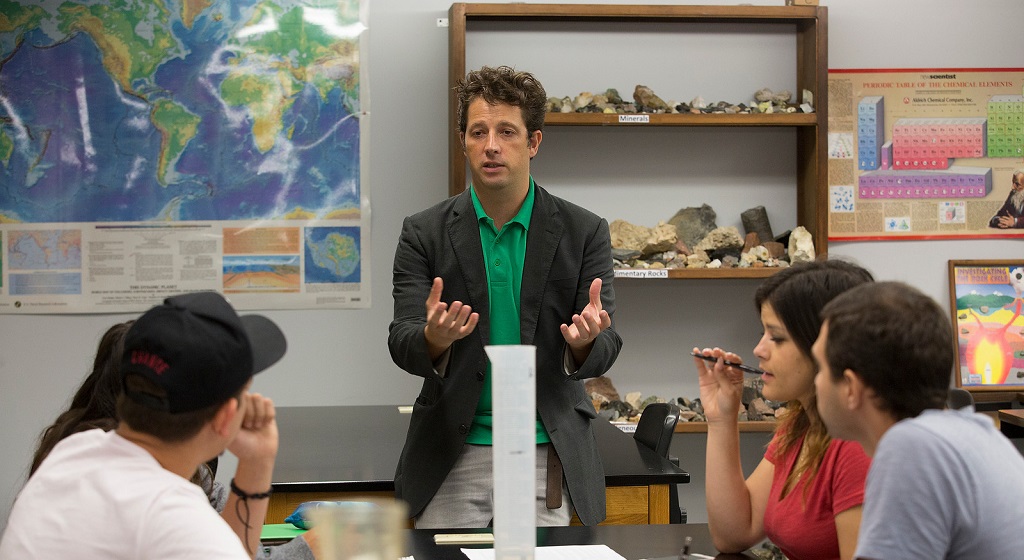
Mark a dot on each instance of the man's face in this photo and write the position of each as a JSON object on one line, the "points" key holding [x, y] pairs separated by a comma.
{"points": [[831, 393], [498, 146], [1018, 182]]}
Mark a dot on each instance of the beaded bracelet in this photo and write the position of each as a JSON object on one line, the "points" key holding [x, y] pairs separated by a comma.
{"points": [[241, 493]]}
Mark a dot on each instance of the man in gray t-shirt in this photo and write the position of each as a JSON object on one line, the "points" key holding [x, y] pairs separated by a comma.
{"points": [[943, 484]]}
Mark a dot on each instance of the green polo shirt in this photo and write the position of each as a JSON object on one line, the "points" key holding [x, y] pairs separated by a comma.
{"points": [[504, 255]]}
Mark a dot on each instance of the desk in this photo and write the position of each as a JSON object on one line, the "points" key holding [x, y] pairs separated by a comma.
{"points": [[348, 452], [1011, 423], [631, 541]]}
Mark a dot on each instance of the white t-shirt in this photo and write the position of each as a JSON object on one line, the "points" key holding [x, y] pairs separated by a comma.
{"points": [[97, 495]]}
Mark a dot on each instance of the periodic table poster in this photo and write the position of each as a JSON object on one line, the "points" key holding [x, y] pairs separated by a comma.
{"points": [[926, 154]]}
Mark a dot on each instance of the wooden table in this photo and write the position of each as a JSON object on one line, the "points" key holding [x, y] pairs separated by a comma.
{"points": [[1011, 422], [349, 452]]}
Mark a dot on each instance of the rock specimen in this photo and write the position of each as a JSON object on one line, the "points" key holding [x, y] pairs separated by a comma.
{"points": [[693, 224], [755, 220], [601, 391], [723, 238], [647, 101], [639, 238], [801, 246]]}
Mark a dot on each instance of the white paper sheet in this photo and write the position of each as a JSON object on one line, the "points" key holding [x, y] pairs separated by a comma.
{"points": [[579, 552]]}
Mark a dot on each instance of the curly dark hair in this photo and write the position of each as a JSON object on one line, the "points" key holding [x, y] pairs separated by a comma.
{"points": [[504, 85]]}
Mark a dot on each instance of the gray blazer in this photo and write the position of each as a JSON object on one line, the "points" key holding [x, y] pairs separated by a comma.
{"points": [[567, 247]]}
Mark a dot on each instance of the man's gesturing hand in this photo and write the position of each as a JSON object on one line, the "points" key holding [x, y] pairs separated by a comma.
{"points": [[446, 324], [589, 323]]}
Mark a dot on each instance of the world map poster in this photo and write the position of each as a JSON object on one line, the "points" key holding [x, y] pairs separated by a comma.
{"points": [[155, 148]]}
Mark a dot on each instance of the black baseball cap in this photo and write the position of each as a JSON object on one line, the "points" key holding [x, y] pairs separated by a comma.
{"points": [[197, 349]]}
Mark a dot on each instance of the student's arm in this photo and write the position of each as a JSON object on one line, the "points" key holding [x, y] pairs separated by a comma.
{"points": [[255, 446], [847, 529], [849, 474], [735, 506]]}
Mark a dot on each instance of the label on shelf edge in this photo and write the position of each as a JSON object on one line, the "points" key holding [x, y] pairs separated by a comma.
{"points": [[642, 119], [641, 273], [627, 427]]}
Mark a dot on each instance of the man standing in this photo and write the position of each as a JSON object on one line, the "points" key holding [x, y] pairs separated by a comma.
{"points": [[504, 262], [1011, 214], [126, 494], [942, 483]]}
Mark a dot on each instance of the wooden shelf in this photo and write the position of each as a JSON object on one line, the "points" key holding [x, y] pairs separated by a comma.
{"points": [[702, 427], [578, 12], [681, 119], [808, 25], [692, 273]]}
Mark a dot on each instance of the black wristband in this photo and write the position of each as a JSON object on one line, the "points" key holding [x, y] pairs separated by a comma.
{"points": [[241, 493]]}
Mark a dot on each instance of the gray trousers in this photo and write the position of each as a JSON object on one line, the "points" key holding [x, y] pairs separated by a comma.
{"points": [[466, 498]]}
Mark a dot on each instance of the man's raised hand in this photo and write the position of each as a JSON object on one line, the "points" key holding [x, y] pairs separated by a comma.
{"points": [[446, 324], [588, 323]]}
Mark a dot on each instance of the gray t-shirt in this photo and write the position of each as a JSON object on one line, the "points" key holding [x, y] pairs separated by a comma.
{"points": [[944, 485]]}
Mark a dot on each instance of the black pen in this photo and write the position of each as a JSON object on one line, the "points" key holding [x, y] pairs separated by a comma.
{"points": [[748, 369]]}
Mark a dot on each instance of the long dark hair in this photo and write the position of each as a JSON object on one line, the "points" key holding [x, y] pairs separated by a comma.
{"points": [[797, 295], [95, 403]]}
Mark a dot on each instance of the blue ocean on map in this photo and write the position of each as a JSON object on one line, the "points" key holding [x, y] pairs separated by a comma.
{"points": [[135, 111]]}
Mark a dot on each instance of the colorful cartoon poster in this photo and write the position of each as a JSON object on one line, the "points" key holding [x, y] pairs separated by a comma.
{"points": [[986, 302], [926, 154], [148, 149]]}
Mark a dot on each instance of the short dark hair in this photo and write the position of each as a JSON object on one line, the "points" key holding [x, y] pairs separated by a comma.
{"points": [[504, 85], [170, 427], [798, 293], [897, 340]]}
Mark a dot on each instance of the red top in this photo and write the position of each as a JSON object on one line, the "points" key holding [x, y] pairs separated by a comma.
{"points": [[806, 529]]}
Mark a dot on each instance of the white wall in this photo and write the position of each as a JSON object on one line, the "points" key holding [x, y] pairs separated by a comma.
{"points": [[340, 357]]}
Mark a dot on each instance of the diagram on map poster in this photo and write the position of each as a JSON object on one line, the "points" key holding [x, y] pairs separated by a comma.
{"points": [[926, 154]]}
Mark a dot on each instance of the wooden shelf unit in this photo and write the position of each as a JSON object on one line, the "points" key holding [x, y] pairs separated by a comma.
{"points": [[699, 273], [810, 22], [746, 426]]}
